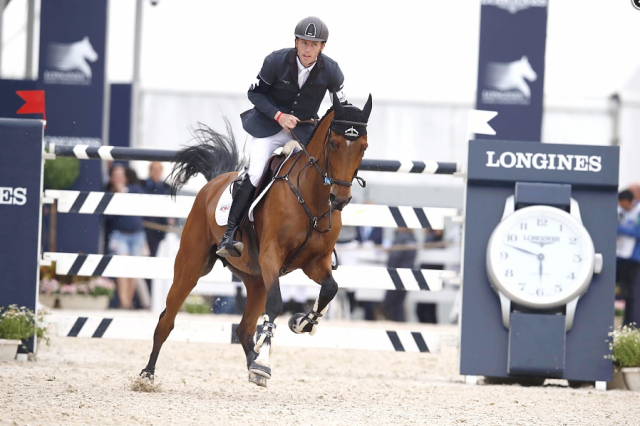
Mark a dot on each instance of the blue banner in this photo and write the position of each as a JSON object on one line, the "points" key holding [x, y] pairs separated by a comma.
{"points": [[72, 73], [20, 190], [511, 66]]}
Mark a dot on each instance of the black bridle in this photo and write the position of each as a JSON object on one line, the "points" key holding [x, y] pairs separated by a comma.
{"points": [[327, 179]]}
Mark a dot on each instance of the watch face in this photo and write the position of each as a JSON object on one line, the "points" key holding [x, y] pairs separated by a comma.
{"points": [[540, 257]]}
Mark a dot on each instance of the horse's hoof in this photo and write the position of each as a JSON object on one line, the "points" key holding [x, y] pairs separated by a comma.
{"points": [[145, 374], [293, 324], [295, 318], [258, 380], [260, 370]]}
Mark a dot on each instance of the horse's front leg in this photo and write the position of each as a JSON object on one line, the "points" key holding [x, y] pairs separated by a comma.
{"points": [[319, 272], [261, 365]]}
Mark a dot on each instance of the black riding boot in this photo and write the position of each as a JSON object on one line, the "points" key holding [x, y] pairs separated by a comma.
{"points": [[241, 201]]}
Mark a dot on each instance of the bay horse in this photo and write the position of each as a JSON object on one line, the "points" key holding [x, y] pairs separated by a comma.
{"points": [[296, 226]]}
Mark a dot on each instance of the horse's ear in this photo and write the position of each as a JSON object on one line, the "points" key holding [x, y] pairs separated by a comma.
{"points": [[366, 111], [337, 106]]}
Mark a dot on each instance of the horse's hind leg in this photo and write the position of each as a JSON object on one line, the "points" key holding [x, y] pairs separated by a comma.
{"points": [[308, 322], [194, 259], [256, 299]]}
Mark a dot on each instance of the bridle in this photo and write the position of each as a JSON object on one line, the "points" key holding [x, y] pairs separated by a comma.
{"points": [[327, 179]]}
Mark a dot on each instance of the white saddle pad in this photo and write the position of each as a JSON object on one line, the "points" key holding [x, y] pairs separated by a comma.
{"points": [[224, 203]]}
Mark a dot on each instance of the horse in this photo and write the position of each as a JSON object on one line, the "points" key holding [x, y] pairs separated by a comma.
{"points": [[296, 226], [511, 75]]}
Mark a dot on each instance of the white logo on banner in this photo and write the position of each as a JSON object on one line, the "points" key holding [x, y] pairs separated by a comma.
{"points": [[528, 160], [515, 6], [17, 196], [69, 63], [507, 82]]}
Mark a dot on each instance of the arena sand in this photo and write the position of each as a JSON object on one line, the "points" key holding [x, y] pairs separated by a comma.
{"points": [[92, 381]]}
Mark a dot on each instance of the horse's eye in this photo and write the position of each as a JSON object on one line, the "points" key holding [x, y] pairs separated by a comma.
{"points": [[332, 144]]}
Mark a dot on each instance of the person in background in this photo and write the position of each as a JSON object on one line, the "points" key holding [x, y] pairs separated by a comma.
{"points": [[628, 255], [403, 255], [155, 185], [426, 312], [127, 237], [367, 236]]}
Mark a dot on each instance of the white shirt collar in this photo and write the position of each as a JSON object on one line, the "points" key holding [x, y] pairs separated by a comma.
{"points": [[302, 67]]}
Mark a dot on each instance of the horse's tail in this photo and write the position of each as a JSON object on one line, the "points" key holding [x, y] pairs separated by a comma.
{"points": [[213, 155]]}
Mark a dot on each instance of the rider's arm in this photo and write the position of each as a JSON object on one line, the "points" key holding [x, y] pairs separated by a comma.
{"points": [[258, 92], [337, 85]]}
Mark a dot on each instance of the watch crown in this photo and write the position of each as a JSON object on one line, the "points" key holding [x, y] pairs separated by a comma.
{"points": [[597, 266]]}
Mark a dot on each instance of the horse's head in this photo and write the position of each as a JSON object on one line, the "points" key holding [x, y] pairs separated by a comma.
{"points": [[87, 50], [526, 69], [346, 144]]}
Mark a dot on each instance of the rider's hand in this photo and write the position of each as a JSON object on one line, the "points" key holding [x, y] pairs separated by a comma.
{"points": [[287, 121]]}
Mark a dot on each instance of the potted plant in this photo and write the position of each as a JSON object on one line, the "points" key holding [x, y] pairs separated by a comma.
{"points": [[625, 353], [16, 326], [92, 294]]}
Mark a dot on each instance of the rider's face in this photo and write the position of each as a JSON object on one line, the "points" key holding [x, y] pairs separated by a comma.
{"points": [[308, 50]]}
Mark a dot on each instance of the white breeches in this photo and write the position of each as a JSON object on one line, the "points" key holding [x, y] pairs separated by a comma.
{"points": [[261, 150]]}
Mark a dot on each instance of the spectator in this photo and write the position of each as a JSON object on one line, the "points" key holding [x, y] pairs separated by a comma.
{"points": [[628, 255], [367, 236], [426, 312], [402, 256], [155, 185], [126, 236]]}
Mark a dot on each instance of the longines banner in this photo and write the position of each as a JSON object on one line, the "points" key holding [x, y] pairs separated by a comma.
{"points": [[511, 66], [20, 189], [72, 72]]}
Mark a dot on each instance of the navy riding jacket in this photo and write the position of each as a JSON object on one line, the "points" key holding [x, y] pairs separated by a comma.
{"points": [[277, 90]]}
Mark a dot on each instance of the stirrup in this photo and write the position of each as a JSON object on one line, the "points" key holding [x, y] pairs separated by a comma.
{"points": [[233, 249], [229, 247]]}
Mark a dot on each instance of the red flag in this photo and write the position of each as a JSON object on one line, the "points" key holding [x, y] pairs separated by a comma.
{"points": [[34, 102]]}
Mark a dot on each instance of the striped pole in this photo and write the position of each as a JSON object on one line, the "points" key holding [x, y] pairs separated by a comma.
{"points": [[131, 328], [151, 205], [347, 276], [86, 152]]}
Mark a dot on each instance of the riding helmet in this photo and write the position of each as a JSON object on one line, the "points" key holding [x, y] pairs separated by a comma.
{"points": [[312, 28]]}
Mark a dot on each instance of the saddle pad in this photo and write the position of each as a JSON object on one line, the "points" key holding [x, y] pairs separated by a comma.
{"points": [[262, 194], [224, 205]]}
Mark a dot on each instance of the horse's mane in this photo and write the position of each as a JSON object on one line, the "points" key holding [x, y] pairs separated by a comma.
{"points": [[319, 123]]}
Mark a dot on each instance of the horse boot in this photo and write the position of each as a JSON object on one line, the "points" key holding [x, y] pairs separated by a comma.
{"points": [[239, 205]]}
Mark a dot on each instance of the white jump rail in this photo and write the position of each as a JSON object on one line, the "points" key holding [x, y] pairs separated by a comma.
{"points": [[187, 330], [351, 277], [88, 202]]}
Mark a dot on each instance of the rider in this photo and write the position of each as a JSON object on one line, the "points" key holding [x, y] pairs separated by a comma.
{"points": [[290, 88]]}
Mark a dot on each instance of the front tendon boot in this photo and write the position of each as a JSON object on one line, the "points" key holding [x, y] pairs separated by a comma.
{"points": [[240, 204], [307, 323]]}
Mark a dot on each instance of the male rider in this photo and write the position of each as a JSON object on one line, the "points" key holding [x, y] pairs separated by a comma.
{"points": [[290, 88]]}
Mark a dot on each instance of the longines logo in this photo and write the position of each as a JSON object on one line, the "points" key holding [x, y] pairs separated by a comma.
{"points": [[541, 239], [17, 196], [69, 63], [508, 82], [528, 160]]}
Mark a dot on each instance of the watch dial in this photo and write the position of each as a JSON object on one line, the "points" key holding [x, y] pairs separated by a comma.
{"points": [[541, 256]]}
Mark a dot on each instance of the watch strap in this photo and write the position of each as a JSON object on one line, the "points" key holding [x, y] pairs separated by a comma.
{"points": [[536, 345], [548, 194]]}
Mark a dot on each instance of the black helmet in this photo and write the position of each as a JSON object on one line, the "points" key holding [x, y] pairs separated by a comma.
{"points": [[312, 28]]}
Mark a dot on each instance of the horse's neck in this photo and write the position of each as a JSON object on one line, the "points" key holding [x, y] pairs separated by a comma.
{"points": [[311, 183], [316, 145]]}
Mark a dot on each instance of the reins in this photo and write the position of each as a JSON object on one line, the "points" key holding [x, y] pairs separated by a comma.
{"points": [[327, 180]]}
